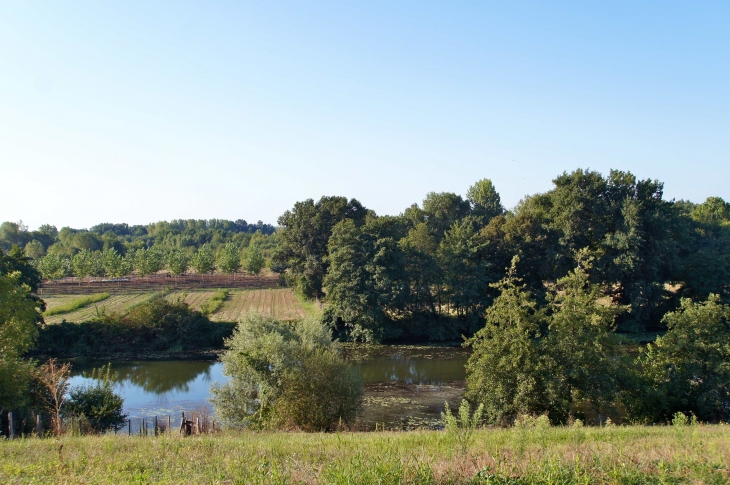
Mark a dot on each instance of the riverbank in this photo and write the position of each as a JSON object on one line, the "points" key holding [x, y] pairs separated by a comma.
{"points": [[632, 454]]}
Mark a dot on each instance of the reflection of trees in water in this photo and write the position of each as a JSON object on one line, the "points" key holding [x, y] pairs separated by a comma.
{"points": [[412, 371], [160, 377]]}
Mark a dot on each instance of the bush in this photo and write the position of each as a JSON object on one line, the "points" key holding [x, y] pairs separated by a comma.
{"points": [[286, 375], [97, 402]]}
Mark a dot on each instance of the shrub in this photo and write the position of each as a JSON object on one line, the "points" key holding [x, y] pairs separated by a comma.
{"points": [[462, 428], [285, 375], [97, 402]]}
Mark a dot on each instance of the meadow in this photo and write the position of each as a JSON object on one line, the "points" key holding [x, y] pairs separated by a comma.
{"points": [[278, 302], [552, 455]]}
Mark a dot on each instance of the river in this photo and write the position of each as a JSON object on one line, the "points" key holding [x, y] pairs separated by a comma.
{"points": [[405, 386]]}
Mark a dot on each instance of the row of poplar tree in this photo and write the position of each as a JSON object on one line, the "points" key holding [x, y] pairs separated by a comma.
{"points": [[109, 263]]}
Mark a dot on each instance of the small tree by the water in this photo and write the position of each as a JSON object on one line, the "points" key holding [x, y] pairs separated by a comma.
{"points": [[286, 375], [97, 402]]}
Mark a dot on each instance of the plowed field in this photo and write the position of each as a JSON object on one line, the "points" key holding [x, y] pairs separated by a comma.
{"points": [[192, 298], [279, 303]]}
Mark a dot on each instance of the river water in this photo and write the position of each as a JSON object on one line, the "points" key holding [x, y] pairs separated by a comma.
{"points": [[405, 386]]}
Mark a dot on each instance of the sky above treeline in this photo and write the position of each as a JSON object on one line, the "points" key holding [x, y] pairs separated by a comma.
{"points": [[143, 111]]}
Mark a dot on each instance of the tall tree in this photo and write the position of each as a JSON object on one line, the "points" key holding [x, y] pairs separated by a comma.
{"points": [[485, 200], [203, 261], [509, 372], [83, 264], [229, 259], [365, 281], [254, 259], [18, 316], [304, 238]]}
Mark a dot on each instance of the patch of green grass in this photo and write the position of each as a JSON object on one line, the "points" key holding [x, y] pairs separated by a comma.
{"points": [[554, 455], [214, 302], [76, 303], [312, 308]]}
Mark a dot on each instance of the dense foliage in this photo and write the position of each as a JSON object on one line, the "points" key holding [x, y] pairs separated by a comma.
{"points": [[428, 273], [285, 375], [688, 369]]}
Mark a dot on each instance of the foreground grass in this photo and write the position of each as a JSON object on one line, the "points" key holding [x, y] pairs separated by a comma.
{"points": [[630, 455], [76, 304]]}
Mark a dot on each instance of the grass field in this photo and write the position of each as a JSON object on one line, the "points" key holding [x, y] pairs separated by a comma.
{"points": [[120, 303], [278, 302], [613, 455]]}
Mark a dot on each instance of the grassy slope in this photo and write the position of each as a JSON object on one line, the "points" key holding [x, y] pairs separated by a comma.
{"points": [[557, 455]]}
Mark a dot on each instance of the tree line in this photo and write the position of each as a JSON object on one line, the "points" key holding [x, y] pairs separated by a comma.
{"points": [[85, 253], [430, 272], [117, 250]]}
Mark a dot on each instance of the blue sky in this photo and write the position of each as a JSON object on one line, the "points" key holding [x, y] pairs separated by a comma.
{"points": [[144, 111]]}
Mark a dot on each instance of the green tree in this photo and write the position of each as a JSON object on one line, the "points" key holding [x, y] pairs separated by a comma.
{"points": [[177, 262], [485, 200], [466, 273], [148, 261], [365, 279], [304, 238], [97, 402], [582, 342], [442, 210], [509, 371], [229, 259], [18, 316], [688, 369], [34, 249], [54, 265], [115, 266], [285, 375], [254, 259], [203, 260], [13, 234], [83, 264]]}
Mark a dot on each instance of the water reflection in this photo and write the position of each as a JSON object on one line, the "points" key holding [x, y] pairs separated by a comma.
{"points": [[157, 377], [152, 388]]}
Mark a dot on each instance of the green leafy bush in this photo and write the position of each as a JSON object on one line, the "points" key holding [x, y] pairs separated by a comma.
{"points": [[97, 403], [286, 375]]}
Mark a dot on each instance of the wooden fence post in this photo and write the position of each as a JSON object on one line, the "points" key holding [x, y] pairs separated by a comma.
{"points": [[130, 426], [38, 427], [169, 424], [11, 431], [155, 425]]}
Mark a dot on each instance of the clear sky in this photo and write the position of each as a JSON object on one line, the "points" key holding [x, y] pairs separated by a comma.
{"points": [[144, 111]]}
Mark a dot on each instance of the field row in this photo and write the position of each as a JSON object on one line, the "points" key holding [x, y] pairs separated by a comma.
{"points": [[279, 302]]}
